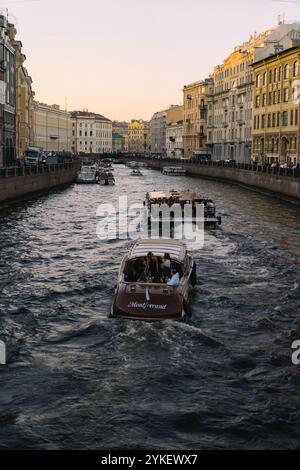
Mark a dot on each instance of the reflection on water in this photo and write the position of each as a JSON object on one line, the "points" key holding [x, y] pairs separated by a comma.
{"points": [[76, 379]]}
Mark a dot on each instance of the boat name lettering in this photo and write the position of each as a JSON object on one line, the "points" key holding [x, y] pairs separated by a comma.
{"points": [[147, 305]]}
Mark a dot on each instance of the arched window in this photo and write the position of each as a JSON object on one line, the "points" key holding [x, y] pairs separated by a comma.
{"points": [[296, 69], [275, 75], [264, 78], [286, 71], [279, 74], [258, 81]]}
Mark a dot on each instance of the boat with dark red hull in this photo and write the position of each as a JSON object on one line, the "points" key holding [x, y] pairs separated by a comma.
{"points": [[142, 295]]}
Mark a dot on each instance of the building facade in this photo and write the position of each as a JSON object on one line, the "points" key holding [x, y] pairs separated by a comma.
{"points": [[117, 142], [276, 107], [230, 103], [174, 132], [24, 99], [195, 118], [158, 126], [91, 133], [51, 128], [139, 139], [120, 136], [7, 95]]}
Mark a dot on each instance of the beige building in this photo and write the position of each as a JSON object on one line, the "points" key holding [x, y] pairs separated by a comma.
{"points": [[139, 139], [24, 102], [91, 133], [174, 132], [195, 118], [230, 103], [276, 107], [52, 128]]}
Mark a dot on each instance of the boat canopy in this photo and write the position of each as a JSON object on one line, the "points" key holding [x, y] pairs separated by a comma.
{"points": [[182, 197], [159, 247]]}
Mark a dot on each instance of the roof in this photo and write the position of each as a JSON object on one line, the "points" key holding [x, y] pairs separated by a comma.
{"points": [[159, 247], [180, 196], [88, 115], [288, 51]]}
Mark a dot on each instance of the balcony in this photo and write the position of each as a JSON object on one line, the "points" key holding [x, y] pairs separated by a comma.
{"points": [[225, 124], [240, 122]]}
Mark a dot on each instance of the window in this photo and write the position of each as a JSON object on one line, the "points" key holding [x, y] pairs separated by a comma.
{"points": [[264, 100], [257, 101], [258, 81], [296, 117], [279, 96], [279, 74], [270, 76], [269, 120], [286, 71], [286, 95], [264, 78], [274, 97], [275, 75], [285, 118], [296, 69], [263, 121], [270, 98], [278, 119], [274, 120], [292, 117]]}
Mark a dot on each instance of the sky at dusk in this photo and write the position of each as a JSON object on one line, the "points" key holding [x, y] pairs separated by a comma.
{"points": [[128, 58]]}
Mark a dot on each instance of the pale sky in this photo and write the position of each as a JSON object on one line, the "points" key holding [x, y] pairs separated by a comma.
{"points": [[128, 58]]}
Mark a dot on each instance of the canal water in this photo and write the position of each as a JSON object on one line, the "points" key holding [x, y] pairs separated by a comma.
{"points": [[76, 379]]}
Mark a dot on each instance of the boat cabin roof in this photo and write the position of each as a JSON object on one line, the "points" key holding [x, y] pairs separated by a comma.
{"points": [[159, 247], [179, 196]]}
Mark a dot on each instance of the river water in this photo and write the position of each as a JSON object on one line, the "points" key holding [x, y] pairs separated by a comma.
{"points": [[76, 379]]}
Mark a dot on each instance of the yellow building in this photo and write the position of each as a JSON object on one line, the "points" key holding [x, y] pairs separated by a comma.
{"points": [[52, 128], [139, 139], [174, 114], [195, 118], [276, 107], [24, 97]]}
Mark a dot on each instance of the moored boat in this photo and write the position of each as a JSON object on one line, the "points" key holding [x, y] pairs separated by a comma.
{"points": [[87, 175], [174, 171], [106, 178], [143, 294]]}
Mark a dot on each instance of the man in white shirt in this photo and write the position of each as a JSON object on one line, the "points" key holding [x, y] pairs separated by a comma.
{"points": [[175, 279]]}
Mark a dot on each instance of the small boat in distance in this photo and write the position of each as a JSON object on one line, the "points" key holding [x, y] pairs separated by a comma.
{"points": [[136, 164], [136, 172], [87, 175], [174, 171], [140, 295]]}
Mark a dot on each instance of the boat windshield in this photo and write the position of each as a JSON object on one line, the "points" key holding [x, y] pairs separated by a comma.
{"points": [[140, 270]]}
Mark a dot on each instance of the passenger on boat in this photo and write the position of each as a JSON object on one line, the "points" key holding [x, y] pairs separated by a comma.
{"points": [[153, 269], [166, 266], [130, 274], [175, 279]]}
